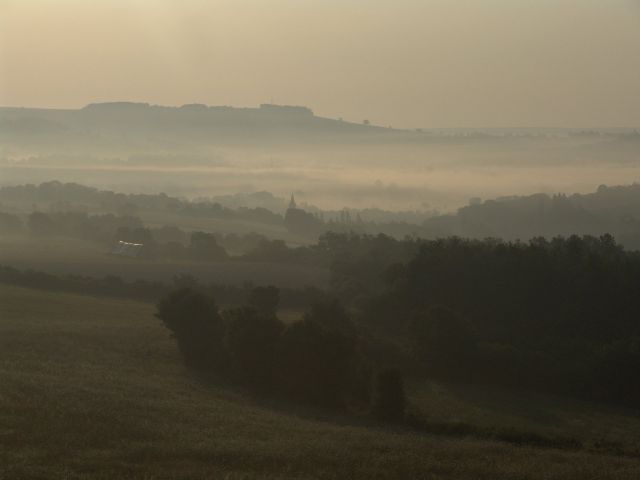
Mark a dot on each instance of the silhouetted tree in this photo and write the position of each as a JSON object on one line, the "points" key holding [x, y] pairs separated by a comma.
{"points": [[442, 339], [252, 339], [40, 224], [10, 223], [184, 280], [315, 364], [390, 398], [204, 247], [265, 299], [194, 320], [332, 315]]}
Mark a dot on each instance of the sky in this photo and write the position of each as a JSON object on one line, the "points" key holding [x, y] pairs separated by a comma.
{"points": [[400, 63]]}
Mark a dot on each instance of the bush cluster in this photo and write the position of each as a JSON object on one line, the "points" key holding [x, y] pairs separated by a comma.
{"points": [[315, 360]]}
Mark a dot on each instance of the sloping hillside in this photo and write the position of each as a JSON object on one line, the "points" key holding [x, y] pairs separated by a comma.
{"points": [[94, 388]]}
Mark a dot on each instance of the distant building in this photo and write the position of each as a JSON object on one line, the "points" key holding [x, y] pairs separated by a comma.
{"points": [[298, 221], [126, 249]]}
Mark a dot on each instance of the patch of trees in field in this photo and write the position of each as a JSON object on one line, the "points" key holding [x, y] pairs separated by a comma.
{"points": [[72, 196], [559, 315], [317, 360], [10, 223], [166, 242], [556, 315], [161, 242], [95, 228], [109, 285], [152, 291]]}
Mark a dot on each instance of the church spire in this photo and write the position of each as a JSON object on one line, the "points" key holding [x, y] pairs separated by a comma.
{"points": [[292, 203]]}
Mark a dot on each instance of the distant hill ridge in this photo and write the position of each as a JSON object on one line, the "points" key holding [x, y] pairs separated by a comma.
{"points": [[191, 122], [217, 124], [268, 108]]}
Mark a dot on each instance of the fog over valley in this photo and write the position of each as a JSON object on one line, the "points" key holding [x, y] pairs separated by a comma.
{"points": [[198, 151], [319, 240]]}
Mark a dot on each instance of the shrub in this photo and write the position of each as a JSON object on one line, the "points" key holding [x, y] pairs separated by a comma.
{"points": [[10, 223], [252, 339], [332, 315], [194, 320], [204, 247], [40, 224], [315, 364], [390, 399], [265, 299], [442, 340]]}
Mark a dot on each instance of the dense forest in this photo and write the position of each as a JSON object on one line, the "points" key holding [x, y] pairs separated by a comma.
{"points": [[558, 316]]}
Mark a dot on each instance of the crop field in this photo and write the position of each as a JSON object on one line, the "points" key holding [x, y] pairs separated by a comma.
{"points": [[95, 388], [542, 414]]}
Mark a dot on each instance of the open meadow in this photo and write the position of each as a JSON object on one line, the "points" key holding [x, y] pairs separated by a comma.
{"points": [[95, 388]]}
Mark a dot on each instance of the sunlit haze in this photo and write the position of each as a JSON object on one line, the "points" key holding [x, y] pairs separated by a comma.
{"points": [[320, 239], [404, 63]]}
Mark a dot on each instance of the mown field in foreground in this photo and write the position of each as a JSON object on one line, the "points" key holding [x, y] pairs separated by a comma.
{"points": [[94, 388]]}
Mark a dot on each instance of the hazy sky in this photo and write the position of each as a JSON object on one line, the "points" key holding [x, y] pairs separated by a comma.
{"points": [[405, 63]]}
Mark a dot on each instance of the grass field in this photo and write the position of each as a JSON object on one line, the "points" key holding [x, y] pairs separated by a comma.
{"points": [[542, 414], [65, 256], [94, 388]]}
